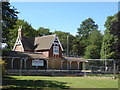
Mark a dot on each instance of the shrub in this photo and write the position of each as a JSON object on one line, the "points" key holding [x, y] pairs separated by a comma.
{"points": [[2, 66]]}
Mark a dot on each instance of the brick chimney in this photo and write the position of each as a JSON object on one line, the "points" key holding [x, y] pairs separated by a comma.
{"points": [[20, 32]]}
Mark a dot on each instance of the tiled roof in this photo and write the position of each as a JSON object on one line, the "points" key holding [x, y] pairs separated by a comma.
{"points": [[38, 43], [74, 58], [24, 54], [28, 43], [44, 42]]}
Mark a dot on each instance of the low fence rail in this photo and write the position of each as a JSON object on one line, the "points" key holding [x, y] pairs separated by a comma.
{"points": [[51, 72]]}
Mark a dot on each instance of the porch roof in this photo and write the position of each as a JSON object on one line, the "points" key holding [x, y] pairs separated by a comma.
{"points": [[74, 59], [23, 54]]}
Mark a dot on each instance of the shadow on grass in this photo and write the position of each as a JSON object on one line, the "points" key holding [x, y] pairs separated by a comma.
{"points": [[12, 83]]}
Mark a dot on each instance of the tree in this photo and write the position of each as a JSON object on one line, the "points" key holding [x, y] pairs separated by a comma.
{"points": [[92, 51], [9, 17], [86, 28], [84, 31], [43, 31], [115, 30], [77, 47], [108, 49], [27, 29], [111, 38]]}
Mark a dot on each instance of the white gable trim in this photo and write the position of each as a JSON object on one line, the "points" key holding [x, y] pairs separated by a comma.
{"points": [[18, 40], [58, 42]]}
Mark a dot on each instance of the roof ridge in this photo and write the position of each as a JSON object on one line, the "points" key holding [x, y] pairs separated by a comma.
{"points": [[28, 37], [45, 36]]}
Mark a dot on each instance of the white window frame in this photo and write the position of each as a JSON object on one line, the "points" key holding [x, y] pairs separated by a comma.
{"points": [[56, 43], [54, 49]]}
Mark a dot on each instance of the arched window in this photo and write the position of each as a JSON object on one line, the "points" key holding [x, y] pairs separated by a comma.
{"points": [[56, 50]]}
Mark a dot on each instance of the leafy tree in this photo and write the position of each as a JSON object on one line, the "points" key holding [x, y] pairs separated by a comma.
{"points": [[95, 38], [115, 30], [86, 28], [84, 31], [108, 51], [9, 17], [77, 47], [43, 31], [110, 39], [92, 51], [27, 29]]}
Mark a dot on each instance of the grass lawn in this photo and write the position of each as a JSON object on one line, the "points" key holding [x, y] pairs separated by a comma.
{"points": [[58, 82]]}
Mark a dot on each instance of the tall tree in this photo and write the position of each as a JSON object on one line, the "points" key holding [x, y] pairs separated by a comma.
{"points": [[115, 30], [108, 49], [9, 17], [77, 47], [93, 49], [110, 39], [43, 31], [85, 30]]}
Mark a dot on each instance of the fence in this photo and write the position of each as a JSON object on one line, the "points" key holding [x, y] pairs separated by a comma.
{"points": [[88, 67]]}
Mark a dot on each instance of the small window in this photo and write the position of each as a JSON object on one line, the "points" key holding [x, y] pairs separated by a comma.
{"points": [[56, 50], [56, 44], [18, 42]]}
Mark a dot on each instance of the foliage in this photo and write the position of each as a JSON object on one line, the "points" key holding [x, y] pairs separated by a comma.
{"points": [[43, 31], [77, 47], [84, 31], [95, 38], [2, 64], [9, 17], [93, 49], [108, 49], [115, 30], [86, 27], [111, 38], [92, 52], [27, 29]]}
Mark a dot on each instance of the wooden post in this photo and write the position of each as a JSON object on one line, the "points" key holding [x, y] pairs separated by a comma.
{"points": [[61, 64], [20, 73], [47, 63], [25, 63], [70, 64], [84, 69], [53, 67], [12, 63], [114, 71], [78, 65]]}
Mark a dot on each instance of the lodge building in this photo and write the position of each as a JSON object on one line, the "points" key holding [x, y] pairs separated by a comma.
{"points": [[43, 52]]}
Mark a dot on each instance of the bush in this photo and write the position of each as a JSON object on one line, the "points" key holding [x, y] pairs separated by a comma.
{"points": [[2, 66]]}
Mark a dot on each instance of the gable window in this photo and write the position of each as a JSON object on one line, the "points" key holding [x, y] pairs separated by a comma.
{"points": [[56, 50], [18, 41]]}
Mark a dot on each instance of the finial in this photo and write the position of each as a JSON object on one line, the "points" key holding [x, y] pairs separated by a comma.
{"points": [[20, 28]]}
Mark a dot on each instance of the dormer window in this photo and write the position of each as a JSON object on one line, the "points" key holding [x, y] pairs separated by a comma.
{"points": [[56, 49]]}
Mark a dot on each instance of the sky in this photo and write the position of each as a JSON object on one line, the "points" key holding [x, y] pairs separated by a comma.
{"points": [[64, 16]]}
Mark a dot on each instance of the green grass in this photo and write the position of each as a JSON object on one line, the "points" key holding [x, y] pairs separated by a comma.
{"points": [[58, 82]]}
